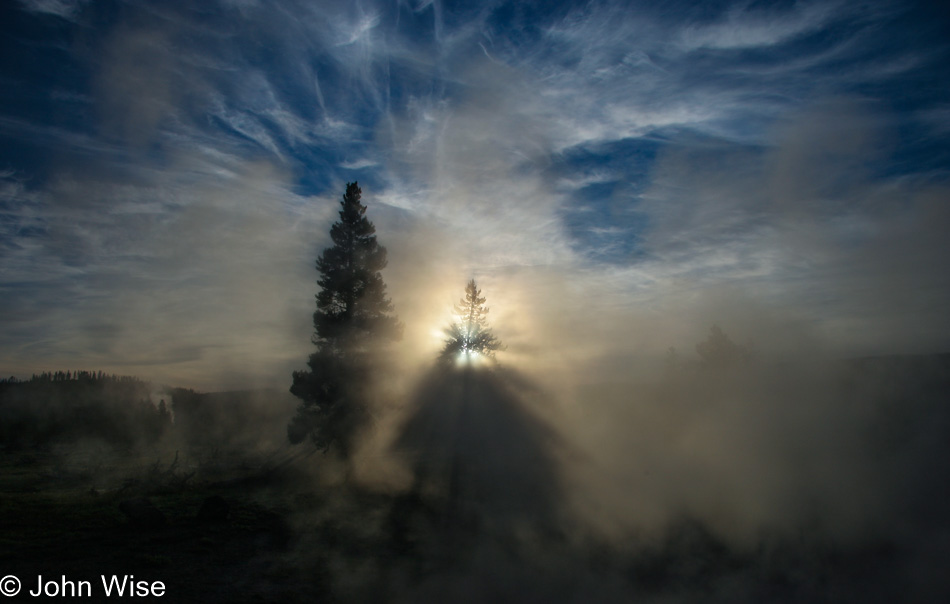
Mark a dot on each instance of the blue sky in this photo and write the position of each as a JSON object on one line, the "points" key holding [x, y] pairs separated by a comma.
{"points": [[618, 175]]}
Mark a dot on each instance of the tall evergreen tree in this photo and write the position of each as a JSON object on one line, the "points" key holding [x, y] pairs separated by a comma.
{"points": [[353, 319], [469, 336]]}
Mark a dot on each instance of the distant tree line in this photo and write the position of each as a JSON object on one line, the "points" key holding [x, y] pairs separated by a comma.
{"points": [[66, 406], [70, 376]]}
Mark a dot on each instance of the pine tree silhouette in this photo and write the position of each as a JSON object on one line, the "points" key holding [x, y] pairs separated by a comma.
{"points": [[352, 321]]}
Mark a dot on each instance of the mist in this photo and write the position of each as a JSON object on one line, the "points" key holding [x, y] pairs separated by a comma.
{"points": [[624, 183]]}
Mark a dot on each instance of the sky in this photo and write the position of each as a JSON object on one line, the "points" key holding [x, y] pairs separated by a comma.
{"points": [[618, 177]]}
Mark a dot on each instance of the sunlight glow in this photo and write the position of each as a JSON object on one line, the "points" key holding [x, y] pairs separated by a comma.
{"points": [[470, 358]]}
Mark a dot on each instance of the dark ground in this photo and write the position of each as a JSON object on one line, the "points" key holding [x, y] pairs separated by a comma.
{"points": [[284, 536]]}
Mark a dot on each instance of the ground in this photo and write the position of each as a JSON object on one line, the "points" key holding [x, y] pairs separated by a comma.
{"points": [[296, 533]]}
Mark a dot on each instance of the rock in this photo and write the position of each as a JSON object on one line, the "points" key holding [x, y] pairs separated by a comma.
{"points": [[213, 509], [142, 513]]}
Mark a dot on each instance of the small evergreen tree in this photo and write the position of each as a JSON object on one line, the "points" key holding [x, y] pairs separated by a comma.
{"points": [[353, 319], [469, 334]]}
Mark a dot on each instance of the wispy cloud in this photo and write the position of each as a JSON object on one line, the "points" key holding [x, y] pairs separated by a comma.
{"points": [[744, 28], [359, 164], [67, 9]]}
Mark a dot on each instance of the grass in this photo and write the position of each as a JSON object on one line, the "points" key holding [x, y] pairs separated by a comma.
{"points": [[55, 522]]}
